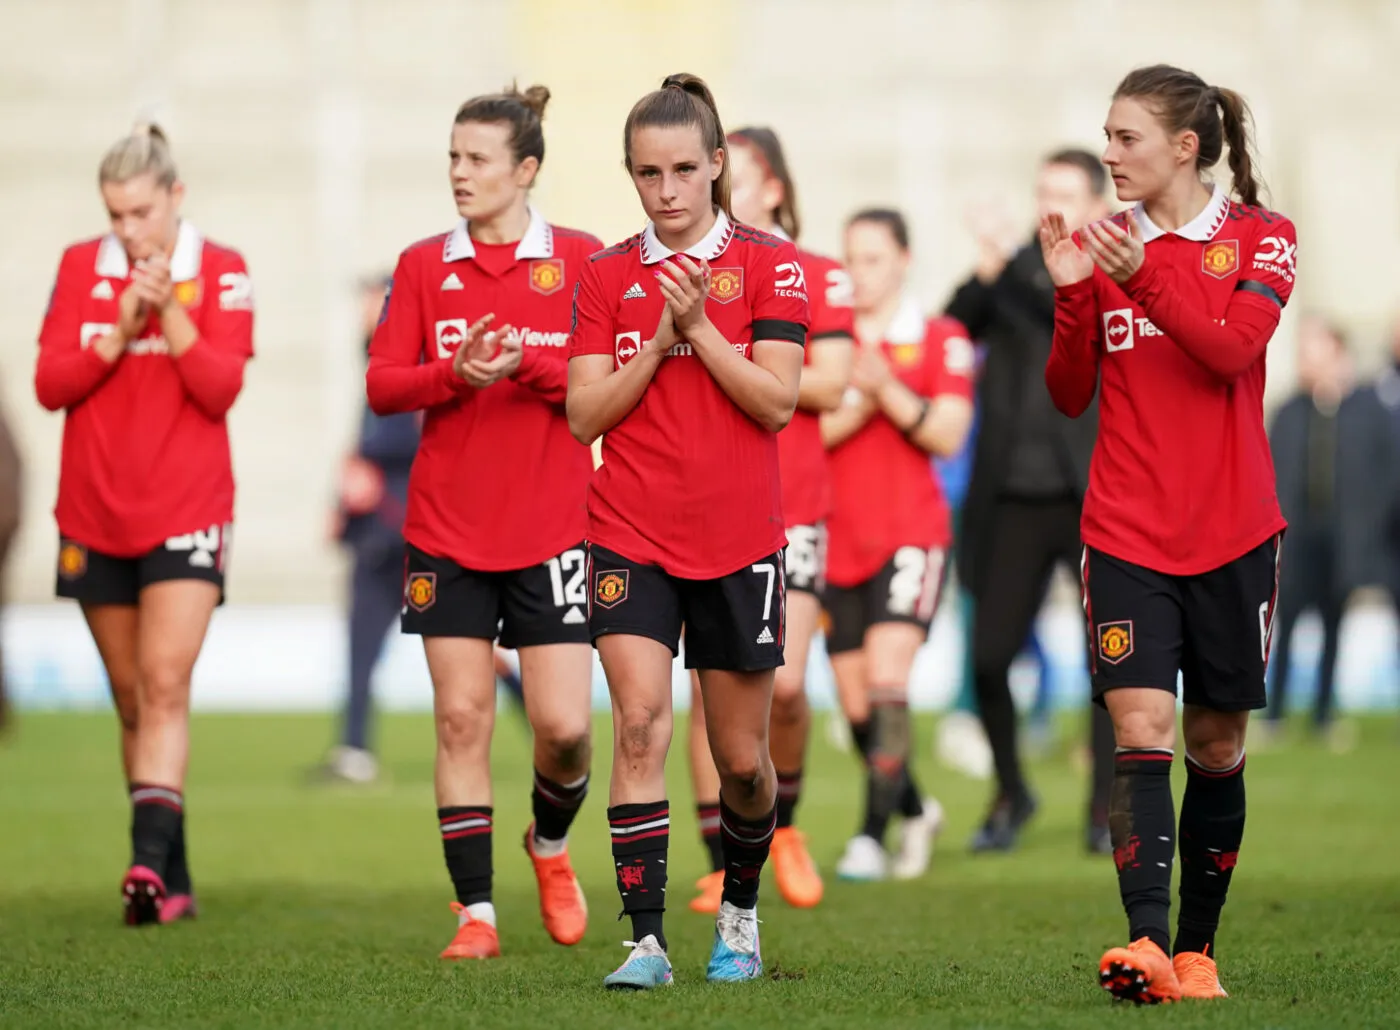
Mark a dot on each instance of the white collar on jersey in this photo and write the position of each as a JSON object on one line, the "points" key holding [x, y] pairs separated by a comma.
{"points": [[712, 246], [1201, 229], [538, 241], [908, 325], [184, 263], [777, 231]]}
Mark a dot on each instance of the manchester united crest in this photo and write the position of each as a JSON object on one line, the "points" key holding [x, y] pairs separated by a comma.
{"points": [[726, 284], [547, 276], [72, 560], [610, 588], [1115, 641], [187, 293], [420, 592], [1220, 258], [906, 354]]}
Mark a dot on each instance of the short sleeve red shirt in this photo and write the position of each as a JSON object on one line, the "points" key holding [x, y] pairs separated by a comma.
{"points": [[688, 481], [145, 442], [498, 482], [801, 454], [885, 490]]}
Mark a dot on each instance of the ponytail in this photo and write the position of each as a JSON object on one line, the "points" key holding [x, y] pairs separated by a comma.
{"points": [[1235, 119], [683, 99], [145, 150]]}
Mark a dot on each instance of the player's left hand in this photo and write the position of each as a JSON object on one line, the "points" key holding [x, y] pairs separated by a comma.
{"points": [[870, 371], [151, 277], [685, 285], [481, 372], [1118, 252]]}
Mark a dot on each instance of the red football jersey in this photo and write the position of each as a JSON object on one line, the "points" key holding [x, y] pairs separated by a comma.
{"points": [[145, 445], [688, 481], [1181, 479], [801, 455], [498, 483], [886, 493]]}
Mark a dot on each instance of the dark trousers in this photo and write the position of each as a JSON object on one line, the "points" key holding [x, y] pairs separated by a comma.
{"points": [[1307, 579], [1027, 539], [376, 598]]}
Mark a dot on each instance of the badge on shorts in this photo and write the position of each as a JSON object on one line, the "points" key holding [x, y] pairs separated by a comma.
{"points": [[421, 590], [610, 588], [1115, 641], [72, 560], [547, 276]]}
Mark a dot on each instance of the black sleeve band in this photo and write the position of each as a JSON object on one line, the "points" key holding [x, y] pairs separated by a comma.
{"points": [[830, 334], [1252, 286], [779, 329]]}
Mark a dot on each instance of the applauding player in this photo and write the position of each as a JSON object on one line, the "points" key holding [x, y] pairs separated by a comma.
{"points": [[686, 356], [143, 348], [496, 518], [890, 527], [1168, 311], [764, 197]]}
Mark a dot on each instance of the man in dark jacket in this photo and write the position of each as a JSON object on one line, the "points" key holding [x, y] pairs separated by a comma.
{"points": [[370, 508], [1030, 471], [1334, 458]]}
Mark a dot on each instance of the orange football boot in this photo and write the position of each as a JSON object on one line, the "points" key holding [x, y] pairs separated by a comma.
{"points": [[1140, 973], [562, 905], [798, 880], [711, 887], [1196, 972], [474, 939]]}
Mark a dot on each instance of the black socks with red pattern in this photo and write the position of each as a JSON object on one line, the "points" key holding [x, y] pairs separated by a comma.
{"points": [[746, 846], [1212, 827], [1142, 823], [156, 816], [466, 844], [641, 835], [708, 814]]}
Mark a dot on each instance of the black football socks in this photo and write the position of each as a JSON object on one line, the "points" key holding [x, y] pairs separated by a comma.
{"points": [[641, 835], [1142, 824], [1212, 827]]}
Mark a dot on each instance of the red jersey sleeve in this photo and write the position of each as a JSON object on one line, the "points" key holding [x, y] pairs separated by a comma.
{"points": [[950, 363], [830, 305], [67, 372], [592, 328], [212, 368], [546, 371], [1251, 317], [780, 308], [398, 379], [1072, 372]]}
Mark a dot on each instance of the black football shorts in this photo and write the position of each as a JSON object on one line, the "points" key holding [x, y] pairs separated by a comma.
{"points": [[531, 607], [91, 577], [906, 589], [805, 555], [1214, 628], [734, 623]]}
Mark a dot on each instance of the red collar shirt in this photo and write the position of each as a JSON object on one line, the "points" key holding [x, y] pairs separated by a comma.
{"points": [[498, 482], [145, 444], [1181, 480]]}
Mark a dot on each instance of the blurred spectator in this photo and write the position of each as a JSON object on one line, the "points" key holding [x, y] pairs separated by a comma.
{"points": [[369, 520], [10, 472], [1334, 457], [1029, 475]]}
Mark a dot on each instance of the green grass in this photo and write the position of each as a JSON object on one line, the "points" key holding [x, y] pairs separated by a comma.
{"points": [[326, 908]]}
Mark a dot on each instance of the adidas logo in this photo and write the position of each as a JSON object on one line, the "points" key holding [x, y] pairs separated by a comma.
{"points": [[452, 282], [635, 292], [765, 637], [574, 617], [103, 290]]}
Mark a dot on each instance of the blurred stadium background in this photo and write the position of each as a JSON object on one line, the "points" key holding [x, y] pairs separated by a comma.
{"points": [[311, 134]]}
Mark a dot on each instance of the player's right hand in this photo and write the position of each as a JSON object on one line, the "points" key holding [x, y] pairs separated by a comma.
{"points": [[133, 312], [478, 345], [1065, 262], [665, 336]]}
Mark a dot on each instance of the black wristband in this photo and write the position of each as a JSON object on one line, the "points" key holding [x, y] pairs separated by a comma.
{"points": [[924, 405]]}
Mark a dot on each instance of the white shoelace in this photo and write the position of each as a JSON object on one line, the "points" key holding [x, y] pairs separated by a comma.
{"points": [[738, 928]]}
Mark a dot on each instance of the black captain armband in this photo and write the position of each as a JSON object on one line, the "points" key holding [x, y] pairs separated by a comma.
{"points": [[925, 405], [1254, 286], [779, 329]]}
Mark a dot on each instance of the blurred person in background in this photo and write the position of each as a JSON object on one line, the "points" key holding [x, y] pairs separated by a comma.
{"points": [[495, 521], [368, 519], [1028, 481], [1334, 454], [764, 197], [1167, 311], [1388, 392], [143, 349], [890, 528], [11, 483]]}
